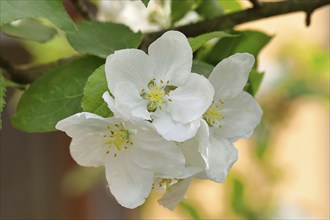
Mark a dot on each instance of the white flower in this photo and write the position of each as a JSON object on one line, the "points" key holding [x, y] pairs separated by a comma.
{"points": [[133, 154], [233, 114], [159, 87]]}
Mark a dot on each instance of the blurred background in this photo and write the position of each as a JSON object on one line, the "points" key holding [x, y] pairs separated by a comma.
{"points": [[282, 171]]}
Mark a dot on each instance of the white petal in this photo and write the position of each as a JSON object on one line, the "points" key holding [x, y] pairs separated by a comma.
{"points": [[128, 183], [190, 101], [175, 194], [111, 104], [221, 156], [172, 130], [86, 130], [154, 153], [129, 102], [172, 57], [128, 65], [231, 74], [241, 115]]}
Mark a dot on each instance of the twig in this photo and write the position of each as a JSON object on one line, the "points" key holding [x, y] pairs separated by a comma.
{"points": [[83, 10], [266, 9], [255, 3]]}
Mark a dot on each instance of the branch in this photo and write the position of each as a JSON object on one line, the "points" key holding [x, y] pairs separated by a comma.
{"points": [[26, 75], [264, 10]]}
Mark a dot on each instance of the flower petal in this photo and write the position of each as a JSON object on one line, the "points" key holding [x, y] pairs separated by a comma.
{"points": [[221, 156], [241, 115], [128, 65], [86, 130], [175, 194], [231, 74], [128, 183], [172, 130], [129, 102], [172, 57], [190, 101]]}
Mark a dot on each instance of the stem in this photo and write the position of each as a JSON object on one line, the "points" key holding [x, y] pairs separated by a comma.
{"points": [[265, 10]]}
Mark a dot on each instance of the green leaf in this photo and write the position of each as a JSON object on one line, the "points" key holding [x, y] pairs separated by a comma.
{"points": [[30, 29], [54, 96], [52, 10], [210, 9], [254, 81], [197, 42], [190, 209], [230, 6], [202, 68], [102, 39], [248, 41], [95, 87], [179, 8], [2, 96], [145, 2]]}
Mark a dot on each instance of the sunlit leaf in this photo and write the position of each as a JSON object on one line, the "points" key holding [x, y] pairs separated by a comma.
{"points": [[54, 96], [54, 11], [210, 9], [30, 29], [102, 39], [180, 8], [197, 42], [230, 6], [2, 96], [95, 87]]}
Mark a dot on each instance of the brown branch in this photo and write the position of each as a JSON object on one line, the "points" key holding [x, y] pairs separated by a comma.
{"points": [[255, 3], [26, 75], [83, 9], [266, 9]]}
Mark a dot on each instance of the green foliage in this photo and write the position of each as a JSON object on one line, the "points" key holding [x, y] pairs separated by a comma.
{"points": [[102, 39], [238, 200], [190, 209], [30, 29], [95, 87], [199, 41], [179, 8], [254, 81], [54, 96], [51, 10], [2, 96], [230, 6], [145, 2], [202, 68], [209, 9]]}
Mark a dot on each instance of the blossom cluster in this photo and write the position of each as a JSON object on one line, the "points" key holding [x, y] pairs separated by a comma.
{"points": [[169, 125]]}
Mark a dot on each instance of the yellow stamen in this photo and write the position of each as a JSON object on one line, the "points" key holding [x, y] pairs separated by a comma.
{"points": [[212, 115]]}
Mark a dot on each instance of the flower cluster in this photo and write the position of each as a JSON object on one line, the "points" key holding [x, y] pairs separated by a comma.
{"points": [[169, 125]]}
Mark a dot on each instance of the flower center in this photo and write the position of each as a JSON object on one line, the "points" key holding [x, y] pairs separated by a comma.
{"points": [[213, 115], [118, 137], [156, 94]]}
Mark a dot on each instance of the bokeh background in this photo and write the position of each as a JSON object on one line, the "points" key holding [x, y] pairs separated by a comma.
{"points": [[282, 171]]}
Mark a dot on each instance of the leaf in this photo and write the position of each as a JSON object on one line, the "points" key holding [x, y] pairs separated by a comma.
{"points": [[209, 9], [102, 39], [179, 8], [54, 96], [95, 87], [254, 81], [230, 6], [52, 10], [190, 209], [2, 96], [30, 29], [197, 42], [202, 68], [248, 41], [145, 2]]}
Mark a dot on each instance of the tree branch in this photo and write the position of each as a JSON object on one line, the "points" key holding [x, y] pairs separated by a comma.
{"points": [[265, 10]]}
